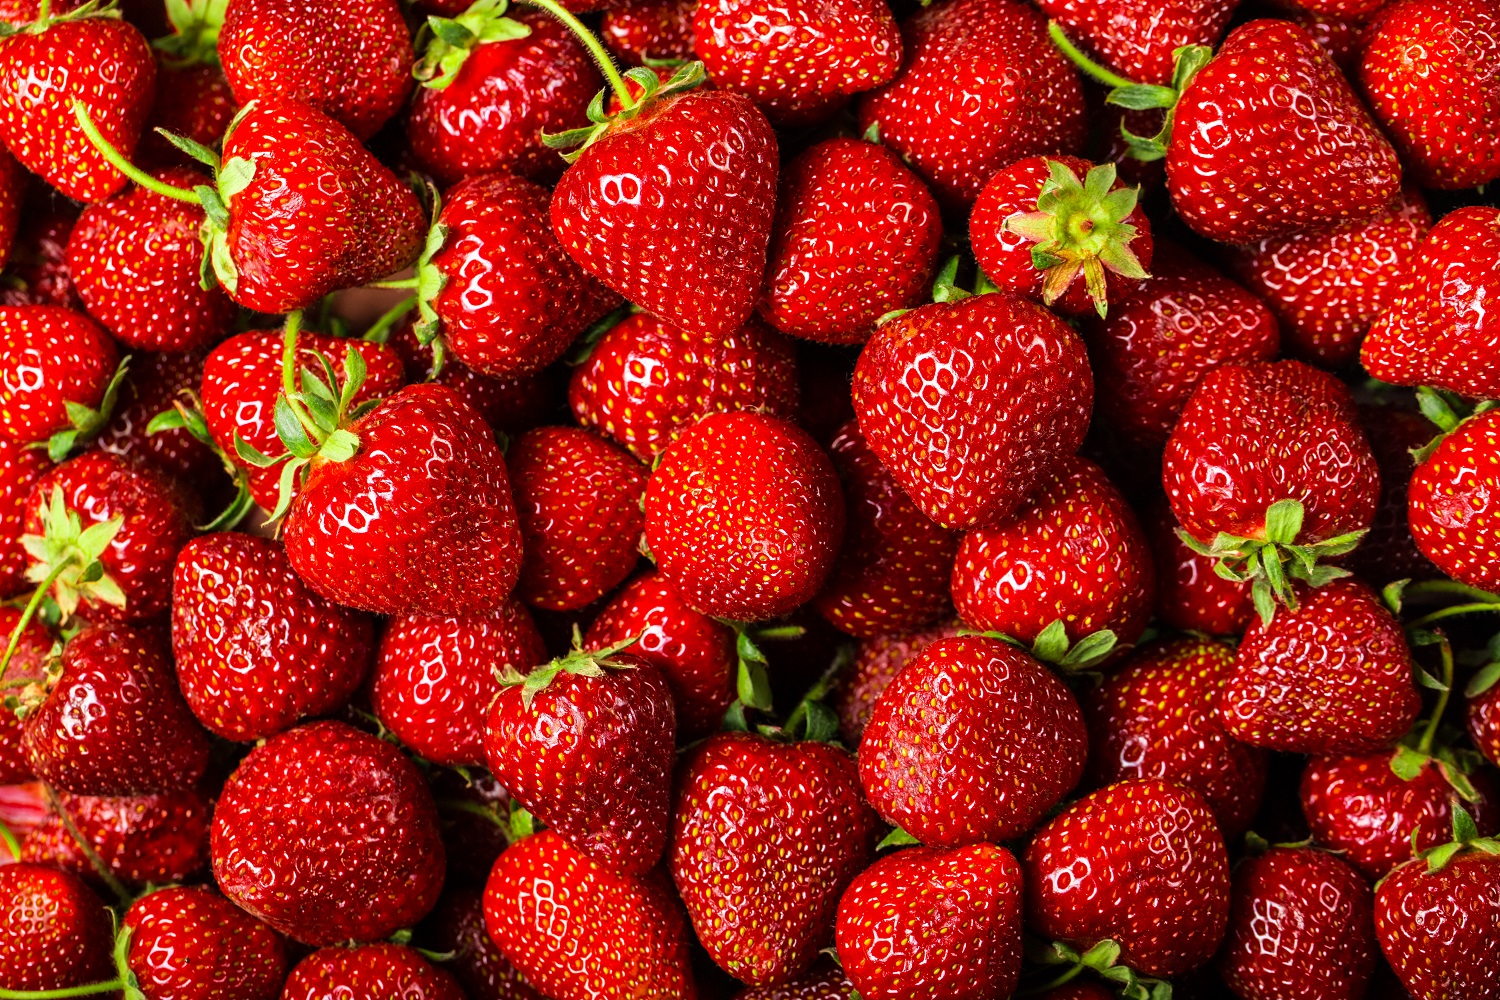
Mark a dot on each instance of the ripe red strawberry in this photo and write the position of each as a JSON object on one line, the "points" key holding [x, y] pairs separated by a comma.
{"points": [[824, 981], [1301, 924], [370, 970], [510, 405], [435, 678], [1327, 286], [1454, 502], [1389, 552], [744, 516], [1158, 718], [154, 383], [28, 665], [426, 466], [949, 920], [456, 926], [50, 357], [969, 55], [1139, 38], [57, 931], [971, 403], [1190, 596], [1013, 743], [94, 59], [1140, 863], [189, 941], [37, 271], [877, 661], [193, 99], [229, 593], [141, 839], [20, 468], [856, 236], [327, 833], [1481, 716], [647, 381], [638, 30], [765, 839], [350, 59]]}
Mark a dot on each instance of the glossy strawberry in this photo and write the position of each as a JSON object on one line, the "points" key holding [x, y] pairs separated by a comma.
{"points": [[193, 100], [140, 839], [649, 29], [456, 925], [1452, 502], [58, 932], [1140, 38], [37, 268], [511, 405], [1190, 596], [188, 941], [49, 357], [877, 661], [20, 468], [154, 383], [370, 970]]}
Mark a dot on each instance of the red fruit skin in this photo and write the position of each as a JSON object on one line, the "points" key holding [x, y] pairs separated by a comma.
{"points": [[1158, 718], [189, 941], [456, 925], [744, 516], [1139, 37], [1389, 552], [256, 649], [649, 29], [28, 663], [1190, 596], [436, 676], [1013, 743], [20, 468], [1254, 434], [1073, 552], [115, 722], [1454, 503], [38, 265], [1301, 924], [688, 245], [1481, 719], [578, 931], [327, 833], [509, 405], [151, 386], [877, 661], [370, 970], [58, 932], [352, 221], [947, 920], [49, 356], [350, 59], [647, 381], [14, 182], [506, 94], [194, 101], [142, 840], [1437, 930], [856, 236], [1328, 286], [103, 62], [824, 981], [1011, 95], [970, 404], [1248, 162], [1141, 863], [765, 839], [429, 474], [1358, 806]]}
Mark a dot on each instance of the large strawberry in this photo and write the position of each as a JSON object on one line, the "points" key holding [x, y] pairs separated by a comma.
{"points": [[1454, 502], [455, 928], [57, 931], [189, 941], [138, 840], [370, 970], [877, 661], [1190, 596], [1140, 38], [56, 369]]}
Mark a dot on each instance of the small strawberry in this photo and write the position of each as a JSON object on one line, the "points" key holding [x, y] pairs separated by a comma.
{"points": [[140, 839], [1140, 863], [1013, 743], [20, 468], [638, 30], [153, 384], [190, 941], [56, 370], [1453, 502], [1190, 596], [877, 661], [58, 932], [1389, 552], [1140, 38], [948, 920], [456, 927], [327, 833], [370, 970]]}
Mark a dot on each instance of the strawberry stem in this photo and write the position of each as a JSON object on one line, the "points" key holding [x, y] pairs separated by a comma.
{"points": [[97, 863], [124, 166], [1455, 610], [596, 49], [29, 612], [1429, 733], [1083, 62], [1423, 587], [398, 283], [289, 372]]}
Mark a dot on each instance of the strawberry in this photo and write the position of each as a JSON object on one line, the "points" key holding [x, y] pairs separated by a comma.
{"points": [[824, 981], [140, 840], [88, 58], [1013, 743], [1389, 552], [57, 931], [798, 61], [193, 98], [370, 970], [744, 516], [350, 59], [765, 839], [1481, 715], [38, 263], [877, 661], [510, 405], [931, 916], [1301, 924], [1338, 36], [1139, 38], [56, 368], [474, 812], [1454, 502], [188, 940], [638, 30], [971, 403], [20, 468], [646, 381], [892, 573], [327, 833], [1190, 596], [1140, 863], [435, 678], [153, 384], [855, 236], [28, 665], [456, 927], [974, 55]]}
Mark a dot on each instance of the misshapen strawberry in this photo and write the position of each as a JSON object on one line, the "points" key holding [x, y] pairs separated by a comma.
{"points": [[370, 970], [139, 839], [51, 357], [184, 940], [1140, 38], [58, 932]]}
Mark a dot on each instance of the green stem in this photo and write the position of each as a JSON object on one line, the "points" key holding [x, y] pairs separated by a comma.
{"points": [[1454, 611], [96, 862], [1429, 733], [124, 166], [1425, 587], [596, 49], [91, 989], [30, 612], [11, 843], [401, 283], [380, 330], [1052, 984], [473, 809], [289, 372], [1083, 62]]}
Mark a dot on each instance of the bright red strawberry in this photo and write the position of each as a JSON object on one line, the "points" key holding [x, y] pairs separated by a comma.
{"points": [[435, 678], [20, 468], [877, 661], [970, 55], [51, 357], [946, 920], [1140, 38], [766, 837], [1301, 925], [57, 931], [971, 403], [744, 516], [154, 383], [638, 30], [824, 981], [856, 235], [456, 926], [327, 833], [94, 59], [1389, 552], [1190, 596], [647, 381], [1013, 743], [510, 405], [189, 941], [370, 970], [350, 59], [27, 666], [141, 839], [1454, 502], [1141, 863], [193, 99], [37, 268]]}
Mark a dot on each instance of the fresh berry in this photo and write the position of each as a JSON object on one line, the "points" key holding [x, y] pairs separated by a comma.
{"points": [[456, 926], [1390, 552], [57, 931], [20, 468], [153, 384], [50, 357], [1140, 38], [37, 272], [1190, 596], [509, 405], [1481, 716], [877, 661], [1454, 502], [824, 981], [140, 839], [370, 970], [28, 666], [189, 941], [637, 30]]}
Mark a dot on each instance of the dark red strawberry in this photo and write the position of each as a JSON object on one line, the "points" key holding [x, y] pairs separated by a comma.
{"points": [[578, 931], [1013, 743], [189, 941], [51, 357], [140, 839], [14, 182], [154, 383], [1140, 863], [1454, 502], [37, 271], [932, 917], [824, 981], [1140, 38], [350, 59], [57, 931], [856, 236], [877, 661], [646, 381], [638, 30], [475, 813], [193, 99], [970, 55], [971, 403], [327, 833], [456, 927], [370, 970], [1190, 596], [1481, 714], [509, 405], [28, 666], [1339, 36], [744, 516], [1389, 552], [20, 468], [765, 839]]}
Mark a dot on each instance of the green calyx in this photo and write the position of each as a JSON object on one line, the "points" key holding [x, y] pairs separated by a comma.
{"points": [[1079, 228], [187, 414], [445, 42], [1446, 410], [1052, 647], [88, 423], [1103, 960], [46, 19], [1465, 838], [195, 37], [579, 662], [66, 556], [1430, 743], [652, 90]]}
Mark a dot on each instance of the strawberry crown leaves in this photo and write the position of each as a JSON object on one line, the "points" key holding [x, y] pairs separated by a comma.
{"points": [[46, 19], [87, 422], [66, 556], [1103, 959], [1052, 647], [1465, 838], [446, 42], [187, 414], [897, 838], [1447, 410], [195, 37], [579, 662], [1429, 742], [945, 288], [688, 76]]}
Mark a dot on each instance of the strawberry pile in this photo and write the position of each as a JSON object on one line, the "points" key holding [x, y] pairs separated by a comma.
{"points": [[749, 499]]}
